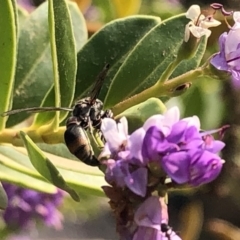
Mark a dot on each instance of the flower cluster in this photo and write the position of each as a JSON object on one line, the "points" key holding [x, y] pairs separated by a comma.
{"points": [[26, 207], [228, 59], [164, 147]]}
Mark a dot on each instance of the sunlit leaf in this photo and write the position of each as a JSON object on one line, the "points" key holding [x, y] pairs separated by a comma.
{"points": [[23, 180], [8, 43], [45, 167]]}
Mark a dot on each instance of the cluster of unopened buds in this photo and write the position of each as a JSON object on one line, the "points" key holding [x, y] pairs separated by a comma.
{"points": [[166, 151]]}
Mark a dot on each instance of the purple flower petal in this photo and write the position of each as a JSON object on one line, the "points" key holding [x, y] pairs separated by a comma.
{"points": [[177, 132], [205, 167], [26, 207], [219, 60], [149, 213], [176, 165], [146, 233], [155, 145], [137, 181]]}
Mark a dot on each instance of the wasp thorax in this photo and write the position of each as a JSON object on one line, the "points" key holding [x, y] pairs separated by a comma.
{"points": [[72, 121]]}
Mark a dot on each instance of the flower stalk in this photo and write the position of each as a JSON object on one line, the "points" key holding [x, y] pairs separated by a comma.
{"points": [[158, 90]]}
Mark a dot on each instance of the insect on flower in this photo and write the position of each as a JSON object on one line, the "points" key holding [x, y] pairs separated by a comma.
{"points": [[86, 114]]}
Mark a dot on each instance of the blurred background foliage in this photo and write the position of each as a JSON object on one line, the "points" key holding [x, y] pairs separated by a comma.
{"points": [[211, 212]]}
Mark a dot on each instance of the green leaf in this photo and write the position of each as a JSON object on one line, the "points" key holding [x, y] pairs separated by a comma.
{"points": [[15, 10], [110, 45], [62, 158], [63, 56], [3, 198], [18, 167], [23, 180], [8, 45], [34, 73], [139, 113], [84, 183], [150, 57], [82, 178], [45, 167], [22, 16]]}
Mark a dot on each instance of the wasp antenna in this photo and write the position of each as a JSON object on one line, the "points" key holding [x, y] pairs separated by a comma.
{"points": [[98, 83], [35, 110]]}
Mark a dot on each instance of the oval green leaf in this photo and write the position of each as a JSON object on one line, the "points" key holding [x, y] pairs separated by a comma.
{"points": [[63, 54], [8, 43], [150, 57], [45, 167], [110, 45], [34, 69]]}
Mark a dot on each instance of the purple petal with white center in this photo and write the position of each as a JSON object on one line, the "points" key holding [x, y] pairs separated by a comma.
{"points": [[137, 181], [176, 165], [163, 122]]}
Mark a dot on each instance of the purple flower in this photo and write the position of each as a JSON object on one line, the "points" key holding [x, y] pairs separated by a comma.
{"points": [[26, 207], [228, 59], [176, 146], [186, 155], [137, 165], [151, 219]]}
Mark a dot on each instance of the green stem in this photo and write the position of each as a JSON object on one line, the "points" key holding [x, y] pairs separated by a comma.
{"points": [[11, 136], [158, 90], [167, 73]]}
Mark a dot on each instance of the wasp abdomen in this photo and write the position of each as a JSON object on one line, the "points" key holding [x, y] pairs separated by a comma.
{"points": [[79, 145]]}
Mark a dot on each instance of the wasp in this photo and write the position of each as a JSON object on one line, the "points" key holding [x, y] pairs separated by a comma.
{"points": [[86, 114]]}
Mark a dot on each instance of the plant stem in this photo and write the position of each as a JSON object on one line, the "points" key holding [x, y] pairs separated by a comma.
{"points": [[158, 90], [12, 136]]}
